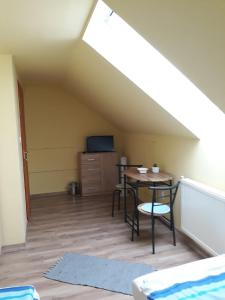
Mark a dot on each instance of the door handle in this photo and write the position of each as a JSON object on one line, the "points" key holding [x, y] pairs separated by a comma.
{"points": [[25, 155]]}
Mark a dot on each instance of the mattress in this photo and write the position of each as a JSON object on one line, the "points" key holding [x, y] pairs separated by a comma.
{"points": [[202, 279], [26, 292]]}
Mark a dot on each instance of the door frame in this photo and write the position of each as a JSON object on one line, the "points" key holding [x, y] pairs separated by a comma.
{"points": [[24, 150]]}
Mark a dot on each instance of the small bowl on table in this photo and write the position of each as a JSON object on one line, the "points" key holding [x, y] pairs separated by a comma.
{"points": [[142, 170]]}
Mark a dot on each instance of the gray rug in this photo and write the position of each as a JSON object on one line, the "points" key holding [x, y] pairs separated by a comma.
{"points": [[112, 275]]}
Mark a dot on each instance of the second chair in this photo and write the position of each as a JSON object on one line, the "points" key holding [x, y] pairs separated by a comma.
{"points": [[163, 198]]}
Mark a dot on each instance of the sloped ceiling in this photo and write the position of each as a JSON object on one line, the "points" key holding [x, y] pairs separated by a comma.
{"points": [[41, 35], [117, 98], [45, 38]]}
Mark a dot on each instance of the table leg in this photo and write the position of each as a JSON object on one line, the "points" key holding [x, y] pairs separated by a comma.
{"points": [[136, 204], [125, 198]]}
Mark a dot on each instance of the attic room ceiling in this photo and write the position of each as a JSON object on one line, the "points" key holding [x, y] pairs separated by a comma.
{"points": [[41, 34], [45, 39], [116, 97]]}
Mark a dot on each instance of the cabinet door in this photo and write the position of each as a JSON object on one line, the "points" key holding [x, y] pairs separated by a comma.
{"points": [[109, 171], [90, 174]]}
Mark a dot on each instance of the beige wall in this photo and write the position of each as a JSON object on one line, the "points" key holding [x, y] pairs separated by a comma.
{"points": [[56, 125], [199, 160], [12, 200]]}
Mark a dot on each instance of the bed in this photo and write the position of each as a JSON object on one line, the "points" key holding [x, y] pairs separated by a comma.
{"points": [[202, 280], [23, 292]]}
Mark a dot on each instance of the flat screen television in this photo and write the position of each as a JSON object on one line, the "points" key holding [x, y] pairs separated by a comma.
{"points": [[102, 143]]}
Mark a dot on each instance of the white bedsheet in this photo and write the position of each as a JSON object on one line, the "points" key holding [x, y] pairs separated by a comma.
{"points": [[144, 285]]}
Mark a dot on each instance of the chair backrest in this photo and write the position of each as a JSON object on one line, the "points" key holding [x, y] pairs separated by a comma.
{"points": [[172, 192], [122, 167]]}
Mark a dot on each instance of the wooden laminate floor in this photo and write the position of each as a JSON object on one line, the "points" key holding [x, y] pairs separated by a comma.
{"points": [[61, 224]]}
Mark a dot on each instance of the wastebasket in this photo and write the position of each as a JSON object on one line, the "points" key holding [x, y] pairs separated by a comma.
{"points": [[73, 188]]}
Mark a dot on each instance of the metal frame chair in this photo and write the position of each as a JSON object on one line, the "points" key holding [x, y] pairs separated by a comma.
{"points": [[158, 208], [119, 188]]}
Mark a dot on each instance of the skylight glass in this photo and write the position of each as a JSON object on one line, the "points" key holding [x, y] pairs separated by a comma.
{"points": [[137, 59]]}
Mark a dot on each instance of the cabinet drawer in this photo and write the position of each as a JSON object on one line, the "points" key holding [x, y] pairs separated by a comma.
{"points": [[90, 167], [90, 172], [91, 180], [90, 189], [90, 158]]}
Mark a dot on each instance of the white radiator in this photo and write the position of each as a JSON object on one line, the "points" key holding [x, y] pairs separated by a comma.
{"points": [[203, 215]]}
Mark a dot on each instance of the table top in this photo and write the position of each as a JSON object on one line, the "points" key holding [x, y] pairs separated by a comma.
{"points": [[149, 176]]}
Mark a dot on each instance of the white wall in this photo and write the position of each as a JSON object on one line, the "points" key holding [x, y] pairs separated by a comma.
{"points": [[12, 198]]}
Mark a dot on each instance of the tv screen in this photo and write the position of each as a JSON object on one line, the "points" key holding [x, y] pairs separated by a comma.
{"points": [[100, 143]]}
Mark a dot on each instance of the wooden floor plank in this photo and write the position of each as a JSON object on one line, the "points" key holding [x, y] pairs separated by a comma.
{"points": [[63, 224]]}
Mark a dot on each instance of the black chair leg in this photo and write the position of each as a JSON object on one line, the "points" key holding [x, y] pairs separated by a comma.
{"points": [[172, 227], [133, 224], [113, 200], [119, 200], [135, 217], [173, 230], [174, 237], [153, 235]]}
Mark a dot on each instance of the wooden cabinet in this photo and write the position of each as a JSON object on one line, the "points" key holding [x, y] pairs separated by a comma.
{"points": [[98, 172]]}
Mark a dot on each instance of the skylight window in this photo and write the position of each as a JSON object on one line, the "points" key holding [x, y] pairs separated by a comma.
{"points": [[137, 59]]}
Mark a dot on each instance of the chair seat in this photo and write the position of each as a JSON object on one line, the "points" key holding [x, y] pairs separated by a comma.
{"points": [[158, 209]]}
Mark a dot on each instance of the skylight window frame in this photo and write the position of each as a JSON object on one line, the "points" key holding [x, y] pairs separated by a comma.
{"points": [[147, 68]]}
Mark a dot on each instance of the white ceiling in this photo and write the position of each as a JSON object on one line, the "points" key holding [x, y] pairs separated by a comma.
{"points": [[44, 36]]}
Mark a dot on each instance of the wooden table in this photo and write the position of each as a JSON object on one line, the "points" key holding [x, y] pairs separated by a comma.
{"points": [[142, 180], [148, 177]]}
